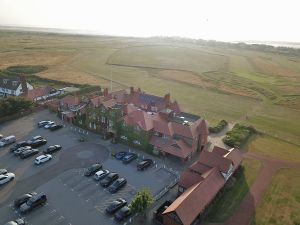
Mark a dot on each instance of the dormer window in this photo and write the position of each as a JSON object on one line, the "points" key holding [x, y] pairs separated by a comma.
{"points": [[5, 81]]}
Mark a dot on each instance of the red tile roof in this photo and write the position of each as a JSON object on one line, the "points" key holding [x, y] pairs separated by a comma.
{"points": [[189, 178], [70, 100], [195, 199], [215, 160], [202, 181], [140, 118], [39, 92]]}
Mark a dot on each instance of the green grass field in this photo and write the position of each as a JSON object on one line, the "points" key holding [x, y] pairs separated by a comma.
{"points": [[250, 87], [231, 198], [274, 148], [284, 194]]}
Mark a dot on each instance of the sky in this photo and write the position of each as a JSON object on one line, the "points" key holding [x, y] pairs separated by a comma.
{"points": [[224, 20]]}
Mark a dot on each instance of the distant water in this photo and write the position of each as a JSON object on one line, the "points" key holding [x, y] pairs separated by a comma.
{"points": [[89, 32]]}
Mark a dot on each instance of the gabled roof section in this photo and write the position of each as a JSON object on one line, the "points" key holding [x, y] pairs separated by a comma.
{"points": [[40, 92], [11, 83], [140, 118], [215, 160], [70, 100], [194, 200]]}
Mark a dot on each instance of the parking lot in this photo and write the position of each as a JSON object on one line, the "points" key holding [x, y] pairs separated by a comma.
{"points": [[72, 198]]}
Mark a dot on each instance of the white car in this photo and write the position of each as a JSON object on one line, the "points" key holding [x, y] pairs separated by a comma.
{"points": [[42, 158], [4, 178], [48, 125]]}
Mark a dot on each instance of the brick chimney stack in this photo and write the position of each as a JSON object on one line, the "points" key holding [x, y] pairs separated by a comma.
{"points": [[131, 90], [167, 98], [105, 92], [24, 84]]}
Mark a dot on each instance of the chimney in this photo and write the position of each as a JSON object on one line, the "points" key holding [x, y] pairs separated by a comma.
{"points": [[24, 84], [105, 92], [167, 98], [131, 90], [139, 90]]}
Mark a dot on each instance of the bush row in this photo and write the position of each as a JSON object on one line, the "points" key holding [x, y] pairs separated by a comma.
{"points": [[219, 127], [238, 135]]}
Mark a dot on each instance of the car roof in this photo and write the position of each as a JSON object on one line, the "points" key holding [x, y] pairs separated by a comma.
{"points": [[41, 156]]}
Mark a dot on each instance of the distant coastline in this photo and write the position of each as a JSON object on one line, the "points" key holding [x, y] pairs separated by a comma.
{"points": [[295, 45]]}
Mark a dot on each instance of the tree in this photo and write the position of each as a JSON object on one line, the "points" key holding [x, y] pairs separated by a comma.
{"points": [[141, 201]]}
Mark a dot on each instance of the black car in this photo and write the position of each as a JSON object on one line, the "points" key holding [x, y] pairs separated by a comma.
{"points": [[3, 171], [109, 179], [115, 205], [52, 148], [38, 143], [33, 202], [18, 145], [129, 157], [120, 155], [123, 213], [117, 184], [21, 149], [56, 127], [28, 153], [22, 199], [92, 169], [144, 164], [16, 222]]}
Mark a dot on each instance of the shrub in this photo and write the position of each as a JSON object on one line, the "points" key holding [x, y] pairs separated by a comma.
{"points": [[219, 127], [26, 69], [238, 135], [13, 105]]}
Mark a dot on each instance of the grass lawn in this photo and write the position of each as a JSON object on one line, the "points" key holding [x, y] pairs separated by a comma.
{"points": [[248, 87], [230, 200], [281, 203], [275, 148]]}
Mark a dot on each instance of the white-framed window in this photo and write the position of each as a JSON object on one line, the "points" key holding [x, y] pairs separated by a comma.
{"points": [[90, 125], [110, 123], [124, 137], [14, 83], [95, 127], [5, 81], [103, 119], [137, 142]]}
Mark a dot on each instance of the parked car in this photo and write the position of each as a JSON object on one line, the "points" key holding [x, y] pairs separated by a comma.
{"points": [[92, 169], [42, 159], [7, 140], [38, 143], [19, 201], [35, 138], [129, 157], [53, 148], [43, 123], [144, 164], [3, 171], [4, 178], [120, 155], [123, 213], [33, 202], [21, 149], [115, 205], [117, 185], [48, 125], [16, 222], [56, 127], [109, 179], [18, 145], [28, 153], [99, 175]]}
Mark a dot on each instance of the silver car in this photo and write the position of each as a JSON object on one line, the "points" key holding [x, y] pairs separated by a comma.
{"points": [[4, 178]]}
